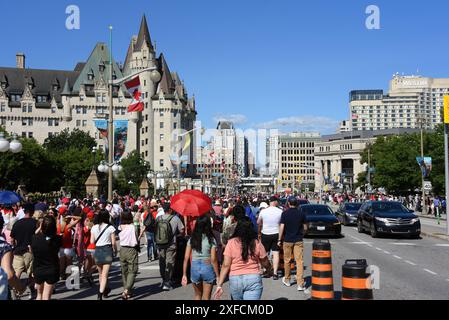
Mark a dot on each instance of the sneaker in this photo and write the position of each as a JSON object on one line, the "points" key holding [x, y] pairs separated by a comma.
{"points": [[301, 288], [275, 277], [288, 284], [167, 287]]}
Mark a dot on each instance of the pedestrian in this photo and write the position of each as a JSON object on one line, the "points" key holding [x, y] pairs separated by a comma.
{"points": [[292, 227], [202, 251], [89, 262], [269, 222], [7, 274], [45, 247], [21, 235], [242, 256], [237, 214], [168, 227], [103, 236], [149, 225], [66, 228], [129, 252]]}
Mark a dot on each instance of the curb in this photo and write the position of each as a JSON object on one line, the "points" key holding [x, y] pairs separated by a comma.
{"points": [[430, 217], [433, 235]]}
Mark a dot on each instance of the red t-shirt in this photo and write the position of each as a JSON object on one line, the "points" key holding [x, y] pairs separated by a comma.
{"points": [[67, 240]]}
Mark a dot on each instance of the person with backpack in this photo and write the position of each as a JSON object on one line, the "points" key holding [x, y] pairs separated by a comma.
{"points": [[168, 226], [103, 236], [148, 228]]}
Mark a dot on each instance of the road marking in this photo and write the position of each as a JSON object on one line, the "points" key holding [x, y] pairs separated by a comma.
{"points": [[387, 252], [430, 271], [378, 249], [409, 262], [397, 257], [441, 245], [359, 242], [403, 244]]}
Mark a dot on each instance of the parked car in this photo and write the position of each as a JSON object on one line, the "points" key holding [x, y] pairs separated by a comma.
{"points": [[348, 212], [320, 220], [388, 217]]}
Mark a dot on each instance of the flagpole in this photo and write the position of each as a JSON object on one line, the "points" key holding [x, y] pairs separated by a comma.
{"points": [[110, 120]]}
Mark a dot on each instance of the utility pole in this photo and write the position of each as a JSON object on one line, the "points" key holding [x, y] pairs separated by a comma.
{"points": [[446, 157], [369, 168]]}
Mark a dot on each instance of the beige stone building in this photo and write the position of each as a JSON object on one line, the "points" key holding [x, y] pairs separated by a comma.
{"points": [[37, 103], [411, 101], [338, 157], [297, 160]]}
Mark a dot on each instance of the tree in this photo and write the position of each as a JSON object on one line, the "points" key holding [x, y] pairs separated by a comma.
{"points": [[135, 169], [31, 167], [394, 160], [68, 139]]}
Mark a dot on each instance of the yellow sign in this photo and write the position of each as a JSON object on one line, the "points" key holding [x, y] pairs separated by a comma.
{"points": [[446, 109]]}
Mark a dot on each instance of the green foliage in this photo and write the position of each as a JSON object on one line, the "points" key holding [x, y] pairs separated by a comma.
{"points": [[135, 169], [31, 167], [66, 139], [394, 160]]}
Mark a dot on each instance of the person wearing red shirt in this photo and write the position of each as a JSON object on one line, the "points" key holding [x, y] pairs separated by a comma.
{"points": [[65, 227], [89, 263]]}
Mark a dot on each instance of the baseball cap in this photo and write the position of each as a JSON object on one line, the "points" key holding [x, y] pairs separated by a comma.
{"points": [[292, 200], [263, 205], [62, 210], [90, 215]]}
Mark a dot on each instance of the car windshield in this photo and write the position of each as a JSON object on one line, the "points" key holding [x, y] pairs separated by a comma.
{"points": [[322, 211], [353, 206], [303, 201], [389, 207]]}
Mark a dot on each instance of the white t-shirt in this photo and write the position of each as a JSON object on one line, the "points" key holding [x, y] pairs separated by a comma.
{"points": [[271, 218], [105, 237]]}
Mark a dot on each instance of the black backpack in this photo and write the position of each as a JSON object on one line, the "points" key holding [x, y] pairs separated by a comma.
{"points": [[149, 222]]}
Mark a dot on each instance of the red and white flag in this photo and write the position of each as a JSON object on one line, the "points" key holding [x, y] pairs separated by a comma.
{"points": [[223, 163], [133, 87]]}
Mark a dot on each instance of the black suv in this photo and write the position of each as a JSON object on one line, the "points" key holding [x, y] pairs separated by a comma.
{"points": [[388, 217]]}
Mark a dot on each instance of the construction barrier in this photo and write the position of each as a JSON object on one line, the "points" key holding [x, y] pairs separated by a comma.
{"points": [[356, 284], [322, 280]]}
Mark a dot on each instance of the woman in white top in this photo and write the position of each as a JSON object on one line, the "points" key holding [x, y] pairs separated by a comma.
{"points": [[103, 235], [129, 252]]}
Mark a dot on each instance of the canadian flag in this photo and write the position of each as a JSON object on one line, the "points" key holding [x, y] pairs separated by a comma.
{"points": [[133, 87]]}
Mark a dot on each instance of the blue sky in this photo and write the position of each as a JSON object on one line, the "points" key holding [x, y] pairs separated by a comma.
{"points": [[285, 63]]}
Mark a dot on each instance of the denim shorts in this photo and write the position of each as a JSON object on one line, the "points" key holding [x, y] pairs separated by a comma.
{"points": [[103, 255], [246, 287], [202, 271]]}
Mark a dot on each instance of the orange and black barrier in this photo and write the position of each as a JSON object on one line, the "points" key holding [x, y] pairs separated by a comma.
{"points": [[322, 279], [356, 284]]}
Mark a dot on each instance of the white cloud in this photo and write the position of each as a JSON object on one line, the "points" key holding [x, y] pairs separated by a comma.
{"points": [[304, 123], [236, 119]]}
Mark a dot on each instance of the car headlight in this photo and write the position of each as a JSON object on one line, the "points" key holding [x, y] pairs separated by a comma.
{"points": [[415, 220], [384, 220], [337, 223]]}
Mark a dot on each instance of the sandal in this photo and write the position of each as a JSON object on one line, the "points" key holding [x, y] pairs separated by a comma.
{"points": [[125, 295]]}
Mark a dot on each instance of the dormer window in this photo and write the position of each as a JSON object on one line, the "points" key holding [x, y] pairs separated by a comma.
{"points": [[90, 75], [101, 67], [3, 84], [55, 87], [41, 99]]}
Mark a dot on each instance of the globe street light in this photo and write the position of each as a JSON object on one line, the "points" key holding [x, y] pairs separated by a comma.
{"points": [[14, 146]]}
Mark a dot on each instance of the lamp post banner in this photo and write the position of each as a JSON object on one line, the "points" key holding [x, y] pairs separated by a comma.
{"points": [[120, 136], [425, 164]]}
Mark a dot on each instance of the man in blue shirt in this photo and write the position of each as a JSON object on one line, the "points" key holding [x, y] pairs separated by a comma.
{"points": [[293, 225]]}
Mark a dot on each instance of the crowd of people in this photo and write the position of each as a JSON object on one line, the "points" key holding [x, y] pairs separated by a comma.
{"points": [[239, 241]]}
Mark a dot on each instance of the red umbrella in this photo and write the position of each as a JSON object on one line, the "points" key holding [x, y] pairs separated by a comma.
{"points": [[191, 203]]}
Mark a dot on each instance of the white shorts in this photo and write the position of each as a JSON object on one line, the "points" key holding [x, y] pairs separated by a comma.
{"points": [[69, 252]]}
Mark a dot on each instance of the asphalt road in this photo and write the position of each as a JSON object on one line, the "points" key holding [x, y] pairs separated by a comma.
{"points": [[409, 269]]}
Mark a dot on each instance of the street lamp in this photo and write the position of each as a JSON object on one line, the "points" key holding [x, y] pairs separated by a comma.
{"points": [[105, 167], [155, 76], [14, 146]]}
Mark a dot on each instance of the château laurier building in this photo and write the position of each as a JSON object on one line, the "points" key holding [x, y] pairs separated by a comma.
{"points": [[37, 103]]}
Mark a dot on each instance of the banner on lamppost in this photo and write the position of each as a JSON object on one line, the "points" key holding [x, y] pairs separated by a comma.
{"points": [[120, 136], [425, 163]]}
